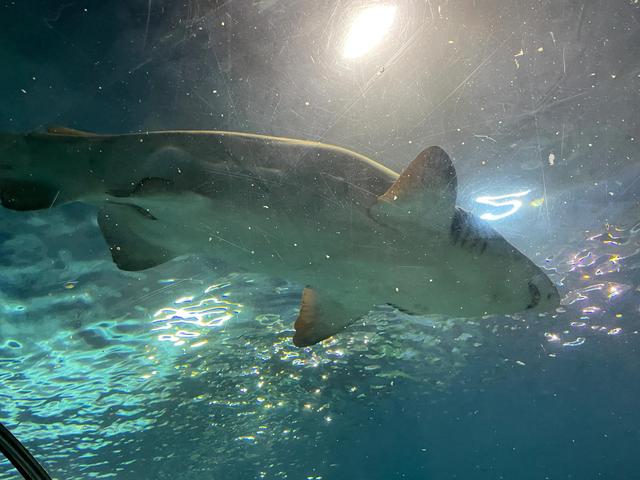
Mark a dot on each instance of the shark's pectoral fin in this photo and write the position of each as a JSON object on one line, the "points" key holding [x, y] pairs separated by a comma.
{"points": [[129, 250], [424, 193], [321, 316]]}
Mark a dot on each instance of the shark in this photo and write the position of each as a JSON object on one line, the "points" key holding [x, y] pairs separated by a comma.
{"points": [[355, 233]]}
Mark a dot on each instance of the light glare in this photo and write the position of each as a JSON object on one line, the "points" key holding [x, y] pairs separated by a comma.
{"points": [[509, 200], [368, 29]]}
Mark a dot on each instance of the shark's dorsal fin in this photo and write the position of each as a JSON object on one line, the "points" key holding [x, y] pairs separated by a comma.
{"points": [[424, 193], [71, 132]]}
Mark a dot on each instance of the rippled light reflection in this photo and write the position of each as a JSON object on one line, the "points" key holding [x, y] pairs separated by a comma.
{"points": [[187, 319], [574, 343], [368, 29], [594, 293]]}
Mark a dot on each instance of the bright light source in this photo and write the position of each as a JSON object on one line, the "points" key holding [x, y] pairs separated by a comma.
{"points": [[509, 200], [368, 29]]}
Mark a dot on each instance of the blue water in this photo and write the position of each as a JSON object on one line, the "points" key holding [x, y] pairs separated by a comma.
{"points": [[187, 370]]}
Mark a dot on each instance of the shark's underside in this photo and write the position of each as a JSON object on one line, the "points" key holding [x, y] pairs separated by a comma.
{"points": [[356, 233]]}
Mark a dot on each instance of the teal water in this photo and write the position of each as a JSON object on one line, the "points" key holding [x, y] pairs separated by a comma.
{"points": [[183, 373], [187, 370]]}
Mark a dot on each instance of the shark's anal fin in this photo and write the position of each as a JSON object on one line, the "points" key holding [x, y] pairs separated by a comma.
{"points": [[129, 250], [321, 316], [424, 193]]}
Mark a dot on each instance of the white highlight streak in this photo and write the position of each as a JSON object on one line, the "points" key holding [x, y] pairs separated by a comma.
{"points": [[508, 200]]}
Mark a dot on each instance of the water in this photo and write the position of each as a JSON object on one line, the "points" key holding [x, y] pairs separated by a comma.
{"points": [[187, 370]]}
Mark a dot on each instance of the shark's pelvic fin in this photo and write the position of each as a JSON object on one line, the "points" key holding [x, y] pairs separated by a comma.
{"points": [[53, 130], [146, 186], [321, 317], [129, 251], [153, 185], [424, 193]]}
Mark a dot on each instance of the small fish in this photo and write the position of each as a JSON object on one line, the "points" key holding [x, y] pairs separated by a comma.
{"points": [[317, 214]]}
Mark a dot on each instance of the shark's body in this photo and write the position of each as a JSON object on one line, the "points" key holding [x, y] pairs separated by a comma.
{"points": [[356, 233]]}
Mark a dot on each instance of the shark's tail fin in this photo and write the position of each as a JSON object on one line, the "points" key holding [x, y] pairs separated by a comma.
{"points": [[18, 189], [26, 195], [32, 168]]}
